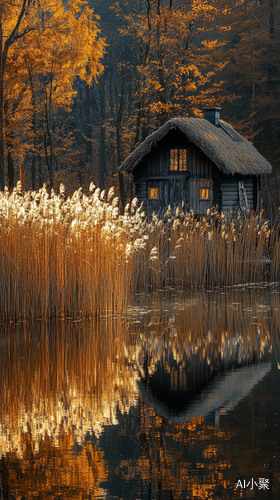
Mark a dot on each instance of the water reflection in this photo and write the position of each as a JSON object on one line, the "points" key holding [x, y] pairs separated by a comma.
{"points": [[60, 385], [147, 407], [202, 361], [54, 470]]}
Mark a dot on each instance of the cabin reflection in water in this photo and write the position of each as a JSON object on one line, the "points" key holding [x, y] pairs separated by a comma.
{"points": [[207, 396], [200, 377]]}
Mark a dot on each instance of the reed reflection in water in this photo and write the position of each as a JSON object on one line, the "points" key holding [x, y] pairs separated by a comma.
{"points": [[144, 408], [60, 385]]}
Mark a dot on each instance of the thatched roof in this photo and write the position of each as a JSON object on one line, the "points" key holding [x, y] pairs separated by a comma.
{"points": [[223, 145]]}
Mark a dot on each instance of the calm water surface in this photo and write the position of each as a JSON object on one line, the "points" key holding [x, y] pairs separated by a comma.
{"points": [[178, 400]]}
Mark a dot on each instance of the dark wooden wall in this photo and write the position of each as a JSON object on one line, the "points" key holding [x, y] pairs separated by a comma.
{"points": [[157, 161], [229, 186]]}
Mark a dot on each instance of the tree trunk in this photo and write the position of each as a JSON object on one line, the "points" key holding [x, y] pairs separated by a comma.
{"points": [[10, 147], [143, 56], [273, 50], [271, 19], [4, 47], [33, 172], [88, 130], [40, 170], [50, 134], [11, 167], [51, 149], [102, 140], [161, 114], [123, 196], [46, 153]]}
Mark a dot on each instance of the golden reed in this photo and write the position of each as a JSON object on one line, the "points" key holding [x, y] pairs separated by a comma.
{"points": [[79, 257]]}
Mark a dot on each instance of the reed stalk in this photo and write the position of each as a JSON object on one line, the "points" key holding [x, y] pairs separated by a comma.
{"points": [[81, 258]]}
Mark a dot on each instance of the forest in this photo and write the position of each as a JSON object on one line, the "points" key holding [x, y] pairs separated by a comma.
{"points": [[84, 82]]}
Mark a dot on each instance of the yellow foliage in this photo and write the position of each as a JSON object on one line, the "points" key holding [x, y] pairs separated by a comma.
{"points": [[60, 42], [178, 57]]}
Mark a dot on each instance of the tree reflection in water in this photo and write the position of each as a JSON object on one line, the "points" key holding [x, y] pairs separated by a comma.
{"points": [[156, 383]]}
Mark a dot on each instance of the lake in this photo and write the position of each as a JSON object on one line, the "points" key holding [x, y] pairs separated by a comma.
{"points": [[177, 399]]}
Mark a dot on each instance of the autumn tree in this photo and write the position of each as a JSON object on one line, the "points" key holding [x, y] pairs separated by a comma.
{"points": [[50, 45], [11, 19], [177, 50]]}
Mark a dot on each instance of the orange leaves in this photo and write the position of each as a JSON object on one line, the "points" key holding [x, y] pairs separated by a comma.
{"points": [[211, 44], [56, 44], [63, 40], [178, 53]]}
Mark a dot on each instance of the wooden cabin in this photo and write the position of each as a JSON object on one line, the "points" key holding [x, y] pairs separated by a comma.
{"points": [[201, 163]]}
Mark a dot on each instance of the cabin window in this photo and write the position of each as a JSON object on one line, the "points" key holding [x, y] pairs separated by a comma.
{"points": [[204, 193], [154, 193], [178, 160]]}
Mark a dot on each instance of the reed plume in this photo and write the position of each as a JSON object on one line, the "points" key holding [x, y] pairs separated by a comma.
{"points": [[79, 257]]}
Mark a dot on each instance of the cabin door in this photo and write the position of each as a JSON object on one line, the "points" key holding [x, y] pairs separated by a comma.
{"points": [[172, 191], [178, 191]]}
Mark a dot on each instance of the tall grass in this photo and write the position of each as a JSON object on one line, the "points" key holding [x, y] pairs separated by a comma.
{"points": [[79, 257], [211, 251], [63, 257]]}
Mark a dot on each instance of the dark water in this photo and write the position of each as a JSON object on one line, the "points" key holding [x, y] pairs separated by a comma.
{"points": [[180, 400]]}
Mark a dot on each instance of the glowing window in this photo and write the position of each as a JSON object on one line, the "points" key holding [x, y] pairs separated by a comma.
{"points": [[204, 193], [178, 159], [154, 193]]}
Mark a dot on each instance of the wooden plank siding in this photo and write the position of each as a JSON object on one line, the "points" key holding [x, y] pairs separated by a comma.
{"points": [[230, 193], [196, 204]]}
